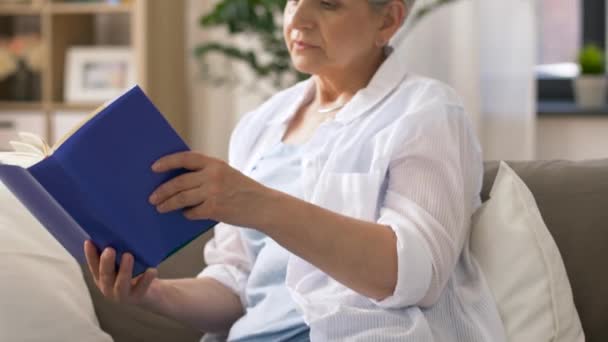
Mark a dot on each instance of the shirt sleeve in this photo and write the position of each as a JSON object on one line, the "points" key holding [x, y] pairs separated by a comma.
{"points": [[226, 256], [434, 180], [227, 260]]}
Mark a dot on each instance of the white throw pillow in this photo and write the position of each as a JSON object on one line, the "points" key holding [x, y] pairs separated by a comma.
{"points": [[523, 266], [43, 296]]}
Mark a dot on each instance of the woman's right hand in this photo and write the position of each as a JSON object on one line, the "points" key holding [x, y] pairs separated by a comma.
{"points": [[120, 287]]}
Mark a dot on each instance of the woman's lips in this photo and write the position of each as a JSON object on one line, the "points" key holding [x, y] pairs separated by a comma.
{"points": [[299, 46]]}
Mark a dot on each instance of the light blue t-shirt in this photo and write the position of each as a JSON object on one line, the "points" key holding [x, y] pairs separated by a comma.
{"points": [[271, 314]]}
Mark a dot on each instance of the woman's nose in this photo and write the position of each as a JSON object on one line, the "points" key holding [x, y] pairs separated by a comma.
{"points": [[301, 16]]}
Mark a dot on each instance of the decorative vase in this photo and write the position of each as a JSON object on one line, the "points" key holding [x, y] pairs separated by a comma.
{"points": [[21, 82], [590, 91], [25, 83]]}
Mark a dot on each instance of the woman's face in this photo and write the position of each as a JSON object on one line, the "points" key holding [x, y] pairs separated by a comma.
{"points": [[330, 35]]}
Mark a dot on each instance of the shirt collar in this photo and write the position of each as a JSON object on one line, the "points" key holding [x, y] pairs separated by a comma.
{"points": [[305, 91], [385, 80]]}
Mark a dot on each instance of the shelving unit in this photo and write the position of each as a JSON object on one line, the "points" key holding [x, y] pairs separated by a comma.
{"points": [[90, 8], [19, 9], [153, 29]]}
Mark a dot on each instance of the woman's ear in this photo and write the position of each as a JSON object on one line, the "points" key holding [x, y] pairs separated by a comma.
{"points": [[393, 15]]}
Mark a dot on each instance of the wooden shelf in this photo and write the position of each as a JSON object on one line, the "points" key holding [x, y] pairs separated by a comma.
{"points": [[74, 107], [20, 9], [90, 8], [65, 8], [21, 106], [565, 108], [39, 106], [159, 50]]}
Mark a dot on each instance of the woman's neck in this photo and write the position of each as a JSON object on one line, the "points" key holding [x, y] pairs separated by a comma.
{"points": [[339, 86]]}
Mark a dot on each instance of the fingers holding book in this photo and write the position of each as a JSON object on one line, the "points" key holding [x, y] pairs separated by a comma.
{"points": [[211, 190], [189, 160], [118, 285]]}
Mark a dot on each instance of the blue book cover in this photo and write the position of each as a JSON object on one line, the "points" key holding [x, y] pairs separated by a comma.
{"points": [[96, 185]]}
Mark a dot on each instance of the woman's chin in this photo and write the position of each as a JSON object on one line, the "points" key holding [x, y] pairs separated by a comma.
{"points": [[306, 68], [306, 64]]}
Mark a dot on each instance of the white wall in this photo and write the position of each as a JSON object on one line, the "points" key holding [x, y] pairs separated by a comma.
{"points": [[572, 138], [447, 39], [216, 110], [212, 109]]}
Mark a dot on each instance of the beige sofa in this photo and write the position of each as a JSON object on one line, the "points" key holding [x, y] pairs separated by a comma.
{"points": [[572, 197]]}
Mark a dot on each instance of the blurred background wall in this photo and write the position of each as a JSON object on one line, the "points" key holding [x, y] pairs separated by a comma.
{"points": [[516, 64]]}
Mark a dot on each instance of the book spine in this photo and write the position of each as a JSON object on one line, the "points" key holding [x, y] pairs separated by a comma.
{"points": [[45, 209]]}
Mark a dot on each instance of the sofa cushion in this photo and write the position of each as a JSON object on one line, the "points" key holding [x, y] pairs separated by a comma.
{"points": [[523, 266], [571, 197], [43, 296]]}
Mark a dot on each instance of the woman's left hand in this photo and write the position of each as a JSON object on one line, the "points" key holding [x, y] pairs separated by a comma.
{"points": [[212, 190]]}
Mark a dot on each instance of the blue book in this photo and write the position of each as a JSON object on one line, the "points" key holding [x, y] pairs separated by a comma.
{"points": [[95, 185]]}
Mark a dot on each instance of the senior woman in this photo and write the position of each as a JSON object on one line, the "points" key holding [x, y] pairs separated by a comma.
{"points": [[346, 205]]}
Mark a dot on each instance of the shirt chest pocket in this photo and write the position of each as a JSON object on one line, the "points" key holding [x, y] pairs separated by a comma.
{"points": [[349, 193]]}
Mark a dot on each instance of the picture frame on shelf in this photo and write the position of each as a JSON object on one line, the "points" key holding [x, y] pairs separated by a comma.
{"points": [[98, 74]]}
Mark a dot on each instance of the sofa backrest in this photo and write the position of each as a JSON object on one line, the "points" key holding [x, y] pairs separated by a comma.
{"points": [[573, 200]]}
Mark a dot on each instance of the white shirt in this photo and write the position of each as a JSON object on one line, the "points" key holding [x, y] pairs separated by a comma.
{"points": [[278, 168], [401, 153]]}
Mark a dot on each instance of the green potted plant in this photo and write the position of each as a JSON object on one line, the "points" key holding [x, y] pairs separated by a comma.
{"points": [[590, 86], [259, 20]]}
